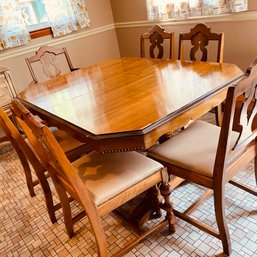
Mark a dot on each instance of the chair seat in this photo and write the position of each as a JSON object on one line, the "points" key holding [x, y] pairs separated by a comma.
{"points": [[108, 175], [186, 150]]}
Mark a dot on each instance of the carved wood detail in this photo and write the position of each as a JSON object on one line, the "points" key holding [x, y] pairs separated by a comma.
{"points": [[200, 35], [156, 37]]}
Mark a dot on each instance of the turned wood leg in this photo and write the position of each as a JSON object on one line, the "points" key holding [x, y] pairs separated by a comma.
{"points": [[167, 205], [147, 208], [155, 202]]}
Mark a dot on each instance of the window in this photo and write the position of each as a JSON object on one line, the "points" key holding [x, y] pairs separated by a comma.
{"points": [[19, 17], [170, 9], [34, 14]]}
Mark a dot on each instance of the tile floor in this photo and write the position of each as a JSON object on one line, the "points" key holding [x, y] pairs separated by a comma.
{"points": [[25, 229]]}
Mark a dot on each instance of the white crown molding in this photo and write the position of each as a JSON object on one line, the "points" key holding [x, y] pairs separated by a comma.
{"points": [[12, 53], [242, 16]]}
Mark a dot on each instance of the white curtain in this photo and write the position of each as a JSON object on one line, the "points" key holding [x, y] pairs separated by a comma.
{"points": [[66, 16], [168, 9], [13, 31]]}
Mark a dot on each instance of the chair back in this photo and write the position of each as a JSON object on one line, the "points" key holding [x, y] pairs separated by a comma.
{"points": [[9, 129], [156, 37], [63, 174], [52, 60], [34, 132], [200, 37], [25, 154], [234, 146]]}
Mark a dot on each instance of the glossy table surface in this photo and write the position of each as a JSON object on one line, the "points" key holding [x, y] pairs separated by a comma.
{"points": [[127, 103]]}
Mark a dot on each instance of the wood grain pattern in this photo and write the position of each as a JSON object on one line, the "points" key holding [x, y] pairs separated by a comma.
{"points": [[130, 102]]}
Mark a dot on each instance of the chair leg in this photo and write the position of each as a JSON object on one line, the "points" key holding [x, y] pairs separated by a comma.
{"points": [[155, 202], [40, 173], [218, 114], [27, 170], [65, 203], [255, 169], [219, 207], [167, 206]]}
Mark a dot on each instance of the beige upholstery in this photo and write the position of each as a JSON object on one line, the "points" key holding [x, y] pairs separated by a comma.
{"points": [[186, 150], [107, 175]]}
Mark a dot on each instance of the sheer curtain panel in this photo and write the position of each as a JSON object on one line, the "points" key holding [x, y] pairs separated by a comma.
{"points": [[13, 31], [169, 9], [66, 16]]}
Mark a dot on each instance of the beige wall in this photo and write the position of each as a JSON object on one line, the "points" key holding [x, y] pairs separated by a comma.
{"points": [[83, 51], [240, 37]]}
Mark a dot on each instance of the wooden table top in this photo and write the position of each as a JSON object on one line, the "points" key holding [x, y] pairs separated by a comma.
{"points": [[127, 97]]}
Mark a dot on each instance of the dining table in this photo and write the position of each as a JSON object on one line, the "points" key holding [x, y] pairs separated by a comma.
{"points": [[128, 103]]}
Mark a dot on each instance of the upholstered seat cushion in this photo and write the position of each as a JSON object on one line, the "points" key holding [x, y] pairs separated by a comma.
{"points": [[193, 149], [106, 175]]}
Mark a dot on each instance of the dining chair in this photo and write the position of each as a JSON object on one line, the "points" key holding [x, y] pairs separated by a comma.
{"points": [[71, 146], [199, 37], [99, 182], [156, 36], [26, 156], [211, 156], [47, 57]]}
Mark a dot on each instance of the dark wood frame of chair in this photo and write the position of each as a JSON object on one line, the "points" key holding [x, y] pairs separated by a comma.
{"points": [[234, 150], [156, 35], [53, 52]]}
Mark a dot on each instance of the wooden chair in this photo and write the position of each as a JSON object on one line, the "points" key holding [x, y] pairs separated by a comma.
{"points": [[200, 36], [72, 148], [100, 183], [26, 156], [156, 36], [211, 156], [47, 56]]}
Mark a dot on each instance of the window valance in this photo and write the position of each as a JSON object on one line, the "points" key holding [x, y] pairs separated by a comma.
{"points": [[169, 9]]}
